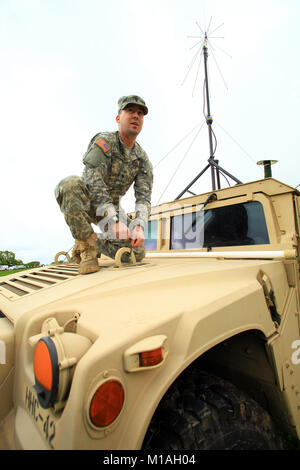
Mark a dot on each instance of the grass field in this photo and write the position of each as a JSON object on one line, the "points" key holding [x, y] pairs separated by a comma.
{"points": [[5, 273]]}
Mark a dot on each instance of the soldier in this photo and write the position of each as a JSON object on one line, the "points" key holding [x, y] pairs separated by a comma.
{"points": [[113, 161]]}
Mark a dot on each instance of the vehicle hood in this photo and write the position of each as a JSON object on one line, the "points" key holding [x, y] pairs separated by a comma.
{"points": [[155, 287]]}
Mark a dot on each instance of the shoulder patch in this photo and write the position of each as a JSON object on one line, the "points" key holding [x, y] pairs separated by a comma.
{"points": [[103, 145]]}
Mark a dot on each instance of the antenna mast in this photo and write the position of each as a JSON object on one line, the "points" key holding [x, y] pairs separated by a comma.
{"points": [[209, 119], [213, 164]]}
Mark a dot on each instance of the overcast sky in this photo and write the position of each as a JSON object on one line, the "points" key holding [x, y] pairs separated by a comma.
{"points": [[65, 63]]}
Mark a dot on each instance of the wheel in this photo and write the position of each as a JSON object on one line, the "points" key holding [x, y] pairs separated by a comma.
{"points": [[204, 412]]}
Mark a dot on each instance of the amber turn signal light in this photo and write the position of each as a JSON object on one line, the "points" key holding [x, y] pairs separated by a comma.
{"points": [[151, 358]]}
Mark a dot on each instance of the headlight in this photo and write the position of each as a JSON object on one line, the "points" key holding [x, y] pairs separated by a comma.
{"points": [[55, 356], [46, 371]]}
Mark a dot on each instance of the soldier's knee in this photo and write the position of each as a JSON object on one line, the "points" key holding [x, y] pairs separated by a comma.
{"points": [[70, 187], [67, 184]]}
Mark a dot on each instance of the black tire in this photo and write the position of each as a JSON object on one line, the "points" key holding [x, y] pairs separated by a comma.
{"points": [[204, 412]]}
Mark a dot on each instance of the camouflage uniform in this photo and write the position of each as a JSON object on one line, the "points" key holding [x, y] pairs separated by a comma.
{"points": [[110, 169]]}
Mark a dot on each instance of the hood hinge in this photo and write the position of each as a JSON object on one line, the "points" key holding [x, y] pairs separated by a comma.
{"points": [[266, 284]]}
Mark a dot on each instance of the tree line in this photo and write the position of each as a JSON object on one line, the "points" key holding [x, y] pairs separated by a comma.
{"points": [[8, 258]]}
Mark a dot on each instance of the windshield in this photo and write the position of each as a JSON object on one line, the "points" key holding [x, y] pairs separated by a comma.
{"points": [[239, 224], [151, 235]]}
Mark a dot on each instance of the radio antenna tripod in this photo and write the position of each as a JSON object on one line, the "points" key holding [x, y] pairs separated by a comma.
{"points": [[213, 164]]}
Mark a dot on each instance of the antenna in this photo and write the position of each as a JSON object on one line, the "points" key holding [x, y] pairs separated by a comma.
{"points": [[213, 164]]}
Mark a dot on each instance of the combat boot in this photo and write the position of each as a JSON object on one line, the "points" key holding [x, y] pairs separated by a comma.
{"points": [[76, 252], [88, 255]]}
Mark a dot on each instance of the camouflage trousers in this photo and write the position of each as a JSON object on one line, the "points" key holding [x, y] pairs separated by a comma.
{"points": [[76, 204]]}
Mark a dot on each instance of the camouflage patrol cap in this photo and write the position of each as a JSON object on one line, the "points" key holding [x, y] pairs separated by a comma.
{"points": [[132, 99]]}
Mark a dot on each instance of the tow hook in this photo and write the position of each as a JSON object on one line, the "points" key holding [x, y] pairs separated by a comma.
{"points": [[120, 253]]}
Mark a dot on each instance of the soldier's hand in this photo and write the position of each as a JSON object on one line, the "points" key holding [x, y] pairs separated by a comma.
{"points": [[121, 231], [137, 237]]}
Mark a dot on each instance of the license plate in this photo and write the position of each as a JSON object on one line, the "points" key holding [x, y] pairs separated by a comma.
{"points": [[43, 419]]}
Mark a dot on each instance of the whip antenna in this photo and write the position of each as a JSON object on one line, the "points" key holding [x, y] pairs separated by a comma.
{"points": [[202, 52]]}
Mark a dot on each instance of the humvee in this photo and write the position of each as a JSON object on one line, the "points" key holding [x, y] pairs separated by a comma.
{"points": [[195, 347]]}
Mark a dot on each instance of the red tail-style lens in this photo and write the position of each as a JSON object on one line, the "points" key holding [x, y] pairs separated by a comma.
{"points": [[107, 403]]}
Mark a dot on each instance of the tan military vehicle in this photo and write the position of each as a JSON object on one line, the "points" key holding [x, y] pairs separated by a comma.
{"points": [[196, 347]]}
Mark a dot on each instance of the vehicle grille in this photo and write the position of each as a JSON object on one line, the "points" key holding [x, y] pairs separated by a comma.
{"points": [[28, 282]]}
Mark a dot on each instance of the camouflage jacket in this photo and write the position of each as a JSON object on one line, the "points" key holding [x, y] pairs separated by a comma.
{"points": [[110, 171]]}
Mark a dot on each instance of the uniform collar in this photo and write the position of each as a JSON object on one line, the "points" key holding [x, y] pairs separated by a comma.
{"points": [[121, 144]]}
